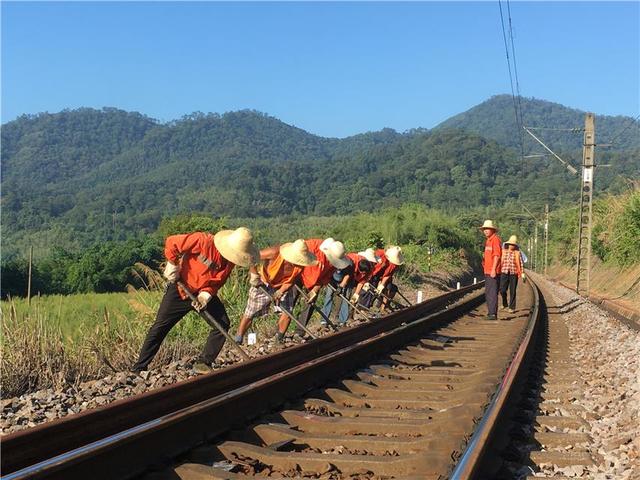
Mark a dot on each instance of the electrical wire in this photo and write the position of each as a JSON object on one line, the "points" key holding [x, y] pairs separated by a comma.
{"points": [[615, 137], [513, 92]]}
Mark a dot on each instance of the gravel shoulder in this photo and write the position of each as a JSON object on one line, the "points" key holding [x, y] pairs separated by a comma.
{"points": [[607, 355], [31, 409]]}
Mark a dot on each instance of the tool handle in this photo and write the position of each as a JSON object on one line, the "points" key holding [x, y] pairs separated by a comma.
{"points": [[213, 322], [318, 309], [289, 314]]}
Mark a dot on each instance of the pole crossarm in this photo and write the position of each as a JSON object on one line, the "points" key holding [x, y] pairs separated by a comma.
{"points": [[566, 164]]}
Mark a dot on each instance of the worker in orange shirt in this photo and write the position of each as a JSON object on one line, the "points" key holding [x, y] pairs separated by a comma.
{"points": [[382, 277], [491, 267], [202, 262], [331, 257], [350, 282], [280, 268]]}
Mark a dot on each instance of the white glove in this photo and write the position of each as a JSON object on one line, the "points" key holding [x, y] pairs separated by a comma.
{"points": [[201, 301], [354, 298], [171, 272], [254, 279], [524, 277], [380, 288], [366, 287]]}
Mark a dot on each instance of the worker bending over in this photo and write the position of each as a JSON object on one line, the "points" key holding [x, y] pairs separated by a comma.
{"points": [[279, 268], [202, 262], [350, 281], [331, 256], [381, 283]]}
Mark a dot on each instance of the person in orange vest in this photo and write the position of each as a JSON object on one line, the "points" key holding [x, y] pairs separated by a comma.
{"points": [[382, 277], [350, 281], [202, 262], [491, 267], [511, 269], [280, 268], [331, 257]]}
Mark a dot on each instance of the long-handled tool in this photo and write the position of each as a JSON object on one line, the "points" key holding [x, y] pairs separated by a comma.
{"points": [[391, 303], [357, 307], [288, 313], [409, 304], [317, 309], [213, 322]]}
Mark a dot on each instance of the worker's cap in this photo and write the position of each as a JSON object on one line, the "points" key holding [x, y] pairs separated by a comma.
{"points": [[394, 255], [369, 255], [488, 224], [335, 253], [237, 246], [297, 253]]}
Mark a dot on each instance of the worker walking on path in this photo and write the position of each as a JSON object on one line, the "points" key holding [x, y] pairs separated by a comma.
{"points": [[331, 257], [350, 283], [280, 268], [381, 281], [202, 262], [511, 269], [491, 267]]}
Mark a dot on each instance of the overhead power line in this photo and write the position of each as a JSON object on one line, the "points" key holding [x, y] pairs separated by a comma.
{"points": [[615, 137], [516, 101]]}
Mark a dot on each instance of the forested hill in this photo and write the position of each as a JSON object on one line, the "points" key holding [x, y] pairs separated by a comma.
{"points": [[77, 177], [495, 119]]}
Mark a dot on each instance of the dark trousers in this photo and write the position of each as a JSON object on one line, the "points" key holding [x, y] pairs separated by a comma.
{"points": [[508, 281], [491, 294], [172, 309]]}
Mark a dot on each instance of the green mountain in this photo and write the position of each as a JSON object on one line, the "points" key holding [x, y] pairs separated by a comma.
{"points": [[84, 176], [495, 119]]}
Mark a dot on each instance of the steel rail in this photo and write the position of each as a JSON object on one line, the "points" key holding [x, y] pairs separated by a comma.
{"points": [[128, 453], [48, 440], [473, 454]]}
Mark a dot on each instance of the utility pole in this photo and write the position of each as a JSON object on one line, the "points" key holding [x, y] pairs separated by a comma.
{"points": [[535, 249], [586, 207], [29, 281], [546, 237]]}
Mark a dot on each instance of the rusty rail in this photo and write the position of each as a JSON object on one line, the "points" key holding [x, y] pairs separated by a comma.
{"points": [[472, 457], [111, 434]]}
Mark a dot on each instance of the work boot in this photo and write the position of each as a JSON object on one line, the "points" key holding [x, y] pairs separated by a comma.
{"points": [[279, 337], [512, 310], [201, 368], [238, 339], [492, 317]]}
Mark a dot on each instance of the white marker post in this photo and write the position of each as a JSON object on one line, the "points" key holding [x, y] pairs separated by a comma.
{"points": [[419, 297], [475, 280], [458, 286], [251, 339]]}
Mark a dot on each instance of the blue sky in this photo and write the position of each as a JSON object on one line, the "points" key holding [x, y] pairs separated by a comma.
{"points": [[334, 69]]}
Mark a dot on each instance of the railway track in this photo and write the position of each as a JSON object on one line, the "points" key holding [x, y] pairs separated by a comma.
{"points": [[399, 397]]}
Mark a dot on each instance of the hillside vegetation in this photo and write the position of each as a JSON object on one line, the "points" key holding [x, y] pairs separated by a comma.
{"points": [[75, 178]]}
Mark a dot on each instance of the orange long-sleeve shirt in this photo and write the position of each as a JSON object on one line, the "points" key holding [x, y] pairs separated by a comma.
{"points": [[202, 268]]}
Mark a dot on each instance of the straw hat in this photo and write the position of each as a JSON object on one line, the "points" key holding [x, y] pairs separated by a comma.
{"points": [[298, 253], [394, 255], [488, 224], [513, 240], [237, 246], [334, 251], [369, 255]]}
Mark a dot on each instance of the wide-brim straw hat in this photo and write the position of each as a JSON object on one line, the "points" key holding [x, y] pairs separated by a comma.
{"points": [[298, 253], [237, 246], [335, 253], [513, 240], [369, 255], [488, 224], [394, 255]]}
